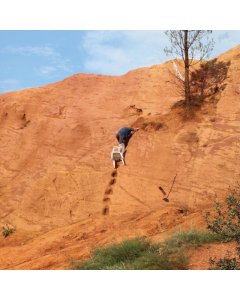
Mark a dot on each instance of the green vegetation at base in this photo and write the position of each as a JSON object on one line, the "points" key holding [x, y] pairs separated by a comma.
{"points": [[141, 254], [121, 256], [225, 222], [225, 263], [192, 238], [226, 219]]}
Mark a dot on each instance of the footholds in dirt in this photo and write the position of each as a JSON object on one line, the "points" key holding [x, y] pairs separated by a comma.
{"points": [[106, 199], [184, 211], [114, 174], [108, 191], [112, 181], [105, 211], [152, 125]]}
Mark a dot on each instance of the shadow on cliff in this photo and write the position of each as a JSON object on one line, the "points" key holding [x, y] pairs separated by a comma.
{"points": [[206, 83], [208, 80]]}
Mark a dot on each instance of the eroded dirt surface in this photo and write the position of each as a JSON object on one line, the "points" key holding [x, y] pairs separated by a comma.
{"points": [[57, 183], [199, 258]]}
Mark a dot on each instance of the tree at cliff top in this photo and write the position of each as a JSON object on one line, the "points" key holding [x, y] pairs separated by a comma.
{"points": [[189, 45]]}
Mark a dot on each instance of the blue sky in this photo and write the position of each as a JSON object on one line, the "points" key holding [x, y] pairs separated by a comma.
{"points": [[35, 58]]}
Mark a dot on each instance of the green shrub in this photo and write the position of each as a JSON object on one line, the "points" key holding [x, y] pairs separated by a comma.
{"points": [[190, 238], [7, 230], [226, 219], [140, 254], [226, 223], [177, 246], [226, 263], [118, 256], [158, 261]]}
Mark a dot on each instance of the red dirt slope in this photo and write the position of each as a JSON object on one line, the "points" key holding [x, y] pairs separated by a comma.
{"points": [[57, 182]]}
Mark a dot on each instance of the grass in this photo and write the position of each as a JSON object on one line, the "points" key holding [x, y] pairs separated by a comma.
{"points": [[119, 256], [141, 254], [190, 238], [176, 247]]}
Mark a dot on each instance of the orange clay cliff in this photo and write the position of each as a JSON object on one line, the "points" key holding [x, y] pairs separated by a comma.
{"points": [[58, 186]]}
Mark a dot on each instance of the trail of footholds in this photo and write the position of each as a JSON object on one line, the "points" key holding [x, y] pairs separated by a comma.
{"points": [[108, 191]]}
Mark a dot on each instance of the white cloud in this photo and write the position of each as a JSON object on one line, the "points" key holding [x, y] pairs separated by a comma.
{"points": [[225, 40], [54, 68], [116, 52], [56, 62], [30, 50], [46, 70], [8, 85]]}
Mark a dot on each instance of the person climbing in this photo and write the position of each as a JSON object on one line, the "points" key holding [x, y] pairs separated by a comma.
{"points": [[118, 152], [124, 135]]}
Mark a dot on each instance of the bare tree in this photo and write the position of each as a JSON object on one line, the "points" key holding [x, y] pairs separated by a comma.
{"points": [[189, 45]]}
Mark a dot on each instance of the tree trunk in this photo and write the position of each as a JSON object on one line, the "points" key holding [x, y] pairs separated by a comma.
{"points": [[186, 66]]}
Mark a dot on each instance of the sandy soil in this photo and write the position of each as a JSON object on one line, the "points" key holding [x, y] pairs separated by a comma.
{"points": [[199, 258], [58, 186]]}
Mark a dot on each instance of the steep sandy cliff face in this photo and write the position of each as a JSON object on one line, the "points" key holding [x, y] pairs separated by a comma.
{"points": [[57, 184]]}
